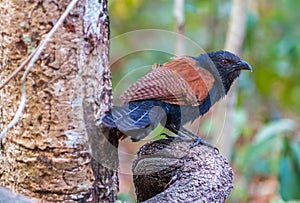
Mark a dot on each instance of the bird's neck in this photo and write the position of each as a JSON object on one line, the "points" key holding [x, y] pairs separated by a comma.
{"points": [[227, 84], [228, 81]]}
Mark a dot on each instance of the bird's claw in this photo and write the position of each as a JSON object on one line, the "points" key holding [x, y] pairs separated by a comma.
{"points": [[195, 142], [205, 143]]}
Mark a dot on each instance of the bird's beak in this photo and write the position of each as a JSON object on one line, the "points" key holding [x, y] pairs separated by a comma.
{"points": [[243, 65]]}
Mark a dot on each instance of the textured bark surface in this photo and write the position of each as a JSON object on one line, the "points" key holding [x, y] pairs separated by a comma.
{"points": [[171, 171], [47, 154]]}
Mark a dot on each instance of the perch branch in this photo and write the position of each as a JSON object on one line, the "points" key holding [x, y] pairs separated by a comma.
{"points": [[171, 171]]}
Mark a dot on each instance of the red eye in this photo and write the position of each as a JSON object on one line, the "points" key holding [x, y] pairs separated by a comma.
{"points": [[225, 62]]}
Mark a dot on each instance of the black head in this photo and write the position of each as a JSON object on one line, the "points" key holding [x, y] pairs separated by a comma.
{"points": [[229, 66]]}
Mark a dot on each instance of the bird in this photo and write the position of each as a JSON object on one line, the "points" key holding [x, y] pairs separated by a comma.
{"points": [[175, 93]]}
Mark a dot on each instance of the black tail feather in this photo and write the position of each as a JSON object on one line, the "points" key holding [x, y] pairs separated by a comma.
{"points": [[136, 120], [108, 121]]}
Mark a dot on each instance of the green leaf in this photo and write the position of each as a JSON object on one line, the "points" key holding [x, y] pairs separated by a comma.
{"points": [[278, 201], [259, 159], [295, 147], [124, 197], [274, 128], [289, 178], [258, 156], [240, 120]]}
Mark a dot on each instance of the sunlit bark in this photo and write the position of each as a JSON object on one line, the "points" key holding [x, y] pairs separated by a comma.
{"points": [[47, 154]]}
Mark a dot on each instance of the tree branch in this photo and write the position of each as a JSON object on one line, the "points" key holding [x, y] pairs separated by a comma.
{"points": [[170, 170]]}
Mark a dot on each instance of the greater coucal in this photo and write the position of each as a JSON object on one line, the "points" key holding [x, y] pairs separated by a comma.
{"points": [[174, 94]]}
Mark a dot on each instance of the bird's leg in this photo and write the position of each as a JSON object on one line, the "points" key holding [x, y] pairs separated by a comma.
{"points": [[187, 135], [181, 135], [199, 140]]}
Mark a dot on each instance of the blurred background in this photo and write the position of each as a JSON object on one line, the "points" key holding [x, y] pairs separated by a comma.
{"points": [[265, 154]]}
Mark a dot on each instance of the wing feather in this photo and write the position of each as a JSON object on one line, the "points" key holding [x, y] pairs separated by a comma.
{"points": [[180, 81]]}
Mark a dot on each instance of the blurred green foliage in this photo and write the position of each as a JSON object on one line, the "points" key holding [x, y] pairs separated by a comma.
{"points": [[272, 44], [267, 143]]}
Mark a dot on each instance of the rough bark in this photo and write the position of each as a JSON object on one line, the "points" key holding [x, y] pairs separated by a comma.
{"points": [[47, 155], [171, 171]]}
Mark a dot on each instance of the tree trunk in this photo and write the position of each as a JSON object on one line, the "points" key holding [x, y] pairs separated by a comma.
{"points": [[53, 153], [179, 28], [225, 109]]}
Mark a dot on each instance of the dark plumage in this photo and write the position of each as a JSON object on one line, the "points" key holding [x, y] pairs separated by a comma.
{"points": [[174, 94]]}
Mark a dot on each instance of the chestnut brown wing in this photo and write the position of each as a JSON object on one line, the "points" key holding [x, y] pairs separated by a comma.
{"points": [[180, 81]]}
